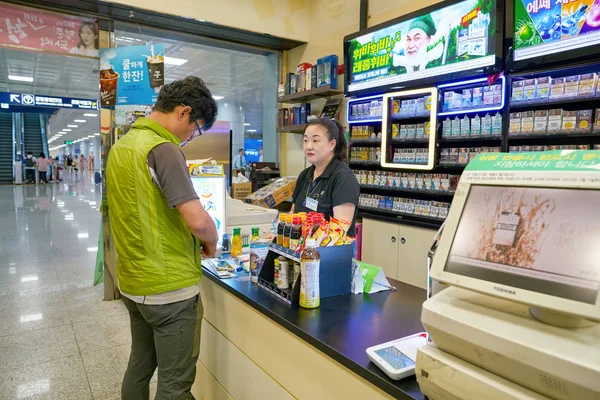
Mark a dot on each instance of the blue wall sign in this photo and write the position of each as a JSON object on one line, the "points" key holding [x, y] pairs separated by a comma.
{"points": [[251, 149], [8, 99]]}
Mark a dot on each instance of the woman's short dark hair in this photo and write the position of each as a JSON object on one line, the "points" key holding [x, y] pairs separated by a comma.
{"points": [[42, 155], [336, 131], [190, 91]]}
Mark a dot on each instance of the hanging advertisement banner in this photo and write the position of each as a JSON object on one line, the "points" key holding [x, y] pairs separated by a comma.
{"points": [[131, 74], [32, 29]]}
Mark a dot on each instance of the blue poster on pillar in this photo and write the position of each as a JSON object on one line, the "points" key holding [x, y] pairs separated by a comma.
{"points": [[131, 74]]}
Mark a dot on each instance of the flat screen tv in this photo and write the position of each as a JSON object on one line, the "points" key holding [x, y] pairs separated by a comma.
{"points": [[550, 31], [446, 41]]}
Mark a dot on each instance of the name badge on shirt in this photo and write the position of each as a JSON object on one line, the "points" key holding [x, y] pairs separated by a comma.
{"points": [[311, 204]]}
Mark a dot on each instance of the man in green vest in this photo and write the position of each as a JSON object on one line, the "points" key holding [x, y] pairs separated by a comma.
{"points": [[161, 231]]}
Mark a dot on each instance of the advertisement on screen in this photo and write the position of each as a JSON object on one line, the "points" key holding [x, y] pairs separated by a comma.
{"points": [[252, 149], [455, 38], [541, 239], [545, 27], [211, 191]]}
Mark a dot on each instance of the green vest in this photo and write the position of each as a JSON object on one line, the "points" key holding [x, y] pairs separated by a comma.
{"points": [[156, 251]]}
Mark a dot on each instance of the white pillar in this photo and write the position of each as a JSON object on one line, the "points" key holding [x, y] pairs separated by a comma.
{"points": [[96, 152], [233, 112]]}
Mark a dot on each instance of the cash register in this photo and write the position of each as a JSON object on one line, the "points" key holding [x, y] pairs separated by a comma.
{"points": [[520, 256]]}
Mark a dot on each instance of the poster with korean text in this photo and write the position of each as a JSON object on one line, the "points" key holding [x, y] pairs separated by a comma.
{"points": [[550, 26], [451, 39], [32, 29], [131, 74]]}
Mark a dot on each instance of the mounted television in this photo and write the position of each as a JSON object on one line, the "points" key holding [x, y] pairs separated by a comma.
{"points": [[550, 31], [446, 41]]}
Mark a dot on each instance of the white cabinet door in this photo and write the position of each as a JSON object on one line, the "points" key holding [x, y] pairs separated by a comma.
{"points": [[413, 245], [380, 245]]}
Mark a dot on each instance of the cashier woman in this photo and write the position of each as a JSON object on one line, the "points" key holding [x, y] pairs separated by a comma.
{"points": [[328, 186]]}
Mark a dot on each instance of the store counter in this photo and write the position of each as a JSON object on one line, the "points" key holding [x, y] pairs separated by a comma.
{"points": [[254, 346]]}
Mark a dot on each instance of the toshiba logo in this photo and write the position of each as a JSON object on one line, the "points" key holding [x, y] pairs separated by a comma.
{"points": [[501, 289]]}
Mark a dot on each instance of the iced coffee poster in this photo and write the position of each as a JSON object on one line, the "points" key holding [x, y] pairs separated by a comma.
{"points": [[131, 74], [546, 236], [454, 38], [550, 26], [29, 28]]}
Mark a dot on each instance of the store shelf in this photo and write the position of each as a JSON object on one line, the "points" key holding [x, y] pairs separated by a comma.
{"points": [[365, 163], [307, 95], [285, 252], [445, 196], [292, 128], [374, 120], [411, 141], [490, 109], [374, 142], [560, 135], [450, 167], [562, 101], [423, 221], [470, 139], [413, 118]]}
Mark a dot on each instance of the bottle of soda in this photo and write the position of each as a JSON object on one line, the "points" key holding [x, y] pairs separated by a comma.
{"points": [[280, 229]]}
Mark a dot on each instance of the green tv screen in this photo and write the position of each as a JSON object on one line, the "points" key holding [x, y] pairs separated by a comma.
{"points": [[544, 27], [455, 38]]}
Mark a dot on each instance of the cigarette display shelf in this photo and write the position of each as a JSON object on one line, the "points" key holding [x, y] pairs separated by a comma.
{"points": [[419, 141], [414, 118], [364, 163], [423, 221], [579, 138], [369, 142], [434, 195], [292, 128], [580, 101], [312, 94], [472, 141]]}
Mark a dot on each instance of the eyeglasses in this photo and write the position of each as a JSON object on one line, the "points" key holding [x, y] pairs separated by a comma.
{"points": [[198, 131]]}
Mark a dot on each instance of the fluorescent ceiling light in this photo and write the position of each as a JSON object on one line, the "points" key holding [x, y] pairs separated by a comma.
{"points": [[79, 120], [251, 130], [92, 203], [218, 97], [29, 278], [175, 61], [83, 235], [31, 317], [96, 134], [67, 130], [73, 126], [91, 136], [90, 115], [20, 78], [246, 124], [90, 249]]}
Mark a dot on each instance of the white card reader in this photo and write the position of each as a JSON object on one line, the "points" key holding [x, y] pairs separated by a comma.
{"points": [[398, 357]]}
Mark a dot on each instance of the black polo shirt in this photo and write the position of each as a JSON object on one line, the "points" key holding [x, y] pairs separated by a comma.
{"points": [[336, 186]]}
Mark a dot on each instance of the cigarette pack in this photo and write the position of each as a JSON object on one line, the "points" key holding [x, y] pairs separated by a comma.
{"points": [[435, 182], [497, 91], [473, 152], [456, 127], [403, 205], [514, 149], [543, 88], [525, 149], [557, 88], [597, 120], [488, 95], [477, 97], [517, 91], [395, 131], [454, 179], [411, 131], [420, 182], [444, 182], [434, 209], [529, 89], [553, 147], [597, 147], [569, 121], [527, 122], [411, 157], [446, 128], [427, 128], [463, 155], [453, 158], [465, 126], [396, 206], [456, 101], [420, 107], [420, 132], [448, 101], [467, 98], [475, 126], [444, 156], [515, 123], [555, 120], [584, 120], [443, 210], [587, 85], [410, 206], [497, 124], [583, 147], [425, 207], [486, 125], [427, 182], [539, 148], [540, 121], [571, 86]]}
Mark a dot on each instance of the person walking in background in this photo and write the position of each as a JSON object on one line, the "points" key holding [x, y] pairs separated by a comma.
{"points": [[30, 168], [70, 164], [161, 231], [82, 163], [43, 164], [90, 162], [239, 161], [260, 157], [76, 166]]}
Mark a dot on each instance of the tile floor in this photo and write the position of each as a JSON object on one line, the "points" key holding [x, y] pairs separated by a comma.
{"points": [[58, 339]]}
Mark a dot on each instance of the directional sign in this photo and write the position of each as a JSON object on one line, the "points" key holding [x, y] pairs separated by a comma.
{"points": [[34, 100], [68, 142]]}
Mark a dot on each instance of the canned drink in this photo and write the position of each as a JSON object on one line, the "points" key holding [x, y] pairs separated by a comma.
{"points": [[283, 277]]}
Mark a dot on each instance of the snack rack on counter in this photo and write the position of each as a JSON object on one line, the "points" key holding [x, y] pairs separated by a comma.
{"points": [[555, 109]]}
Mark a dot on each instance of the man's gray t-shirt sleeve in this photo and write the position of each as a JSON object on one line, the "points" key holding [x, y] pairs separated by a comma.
{"points": [[169, 171]]}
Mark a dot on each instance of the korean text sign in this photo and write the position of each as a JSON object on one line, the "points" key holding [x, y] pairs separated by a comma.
{"points": [[33, 29], [457, 37], [131, 74]]}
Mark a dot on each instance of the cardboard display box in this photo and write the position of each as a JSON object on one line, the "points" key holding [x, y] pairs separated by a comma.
{"points": [[273, 194], [241, 190]]}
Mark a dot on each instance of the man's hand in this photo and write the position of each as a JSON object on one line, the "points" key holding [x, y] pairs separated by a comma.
{"points": [[208, 249]]}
